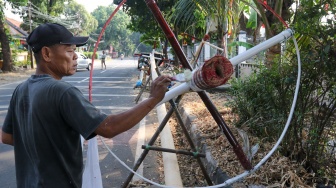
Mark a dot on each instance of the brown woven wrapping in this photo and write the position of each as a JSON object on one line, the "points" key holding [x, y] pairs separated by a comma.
{"points": [[215, 72]]}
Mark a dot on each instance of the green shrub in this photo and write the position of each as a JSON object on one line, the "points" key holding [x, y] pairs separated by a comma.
{"points": [[263, 101], [89, 55], [21, 63]]}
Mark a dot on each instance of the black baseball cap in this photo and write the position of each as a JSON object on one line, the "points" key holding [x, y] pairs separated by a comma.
{"points": [[51, 33]]}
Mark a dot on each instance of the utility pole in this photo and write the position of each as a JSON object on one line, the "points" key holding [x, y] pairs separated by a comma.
{"points": [[30, 30]]}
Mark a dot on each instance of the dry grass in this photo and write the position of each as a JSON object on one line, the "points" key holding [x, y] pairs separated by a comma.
{"points": [[278, 171]]}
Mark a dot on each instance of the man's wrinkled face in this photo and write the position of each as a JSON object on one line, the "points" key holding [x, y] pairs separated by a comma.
{"points": [[63, 60]]}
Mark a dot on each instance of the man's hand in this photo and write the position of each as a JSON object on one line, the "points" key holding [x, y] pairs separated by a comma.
{"points": [[159, 87], [115, 124], [7, 138]]}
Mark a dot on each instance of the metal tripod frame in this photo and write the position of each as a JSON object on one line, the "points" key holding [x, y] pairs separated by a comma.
{"points": [[151, 4], [148, 147]]}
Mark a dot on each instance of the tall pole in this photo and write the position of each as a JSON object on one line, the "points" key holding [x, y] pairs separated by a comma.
{"points": [[30, 30], [151, 4]]}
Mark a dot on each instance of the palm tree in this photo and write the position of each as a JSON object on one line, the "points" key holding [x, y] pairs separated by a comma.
{"points": [[193, 14], [272, 23], [227, 15]]}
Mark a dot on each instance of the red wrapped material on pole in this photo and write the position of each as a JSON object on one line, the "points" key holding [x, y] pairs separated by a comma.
{"points": [[151, 4], [213, 73]]}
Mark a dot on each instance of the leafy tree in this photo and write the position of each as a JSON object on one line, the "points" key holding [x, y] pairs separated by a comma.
{"points": [[229, 18], [4, 41], [37, 12], [186, 16], [141, 46], [116, 33], [77, 19], [143, 21], [84, 21], [66, 12], [272, 24], [195, 15]]}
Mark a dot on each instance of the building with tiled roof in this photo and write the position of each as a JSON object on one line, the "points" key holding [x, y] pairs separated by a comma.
{"points": [[15, 30], [19, 35]]}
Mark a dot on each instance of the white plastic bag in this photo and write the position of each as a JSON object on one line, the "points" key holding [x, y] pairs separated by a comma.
{"points": [[92, 175]]}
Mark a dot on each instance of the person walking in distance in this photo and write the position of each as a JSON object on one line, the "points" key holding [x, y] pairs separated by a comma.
{"points": [[103, 57], [46, 115]]}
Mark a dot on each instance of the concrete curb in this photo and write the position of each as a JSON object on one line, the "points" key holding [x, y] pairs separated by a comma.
{"points": [[172, 173]]}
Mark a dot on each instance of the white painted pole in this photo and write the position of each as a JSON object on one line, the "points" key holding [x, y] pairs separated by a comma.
{"points": [[171, 169], [185, 87], [176, 91], [262, 46]]}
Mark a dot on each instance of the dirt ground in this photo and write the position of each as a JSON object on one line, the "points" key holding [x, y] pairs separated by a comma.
{"points": [[15, 76], [277, 171]]}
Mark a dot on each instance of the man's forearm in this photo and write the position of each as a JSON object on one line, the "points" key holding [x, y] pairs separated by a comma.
{"points": [[116, 124]]}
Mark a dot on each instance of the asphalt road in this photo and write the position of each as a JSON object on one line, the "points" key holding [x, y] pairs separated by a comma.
{"points": [[113, 93]]}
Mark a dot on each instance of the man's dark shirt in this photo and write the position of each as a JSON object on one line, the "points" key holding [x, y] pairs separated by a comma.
{"points": [[46, 118]]}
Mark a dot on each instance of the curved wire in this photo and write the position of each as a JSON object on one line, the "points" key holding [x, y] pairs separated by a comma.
{"points": [[274, 13], [262, 161], [96, 46]]}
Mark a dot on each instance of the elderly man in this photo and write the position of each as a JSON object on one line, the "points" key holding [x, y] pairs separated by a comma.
{"points": [[41, 122]]}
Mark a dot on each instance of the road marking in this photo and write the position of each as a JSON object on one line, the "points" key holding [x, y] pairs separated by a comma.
{"points": [[94, 77], [103, 81], [0, 136], [99, 107], [102, 87], [110, 95], [113, 108], [6, 95], [95, 95], [4, 88], [83, 80], [12, 83]]}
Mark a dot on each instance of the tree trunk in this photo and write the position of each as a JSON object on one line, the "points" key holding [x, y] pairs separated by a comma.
{"points": [[6, 65], [164, 49], [242, 25], [221, 40]]}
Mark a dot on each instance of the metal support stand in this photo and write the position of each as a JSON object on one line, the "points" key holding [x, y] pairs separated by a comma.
{"points": [[149, 146], [142, 90]]}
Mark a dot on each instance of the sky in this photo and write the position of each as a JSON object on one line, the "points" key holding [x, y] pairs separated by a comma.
{"points": [[90, 5], [9, 14]]}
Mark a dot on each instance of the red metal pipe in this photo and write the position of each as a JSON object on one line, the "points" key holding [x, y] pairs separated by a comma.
{"points": [[97, 43], [151, 4]]}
